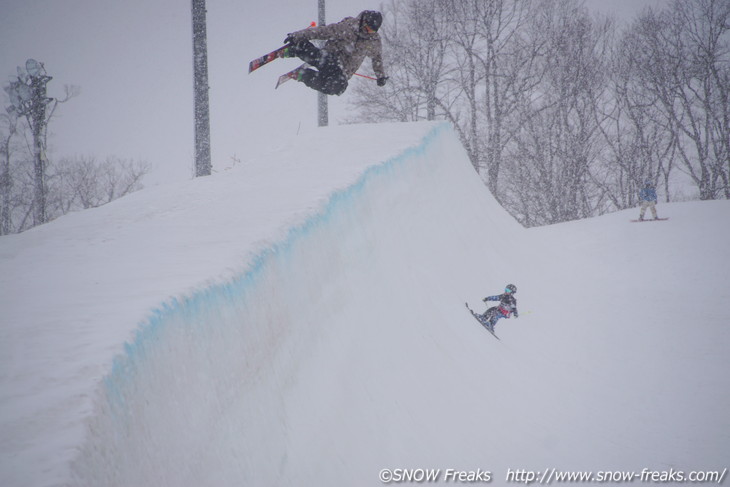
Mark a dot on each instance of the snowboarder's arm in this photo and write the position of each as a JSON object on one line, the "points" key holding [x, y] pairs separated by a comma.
{"points": [[492, 298], [377, 59]]}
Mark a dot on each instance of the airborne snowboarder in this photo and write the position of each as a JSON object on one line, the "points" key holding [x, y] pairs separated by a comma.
{"points": [[348, 42], [507, 306]]}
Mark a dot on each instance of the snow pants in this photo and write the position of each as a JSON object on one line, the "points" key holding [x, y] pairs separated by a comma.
{"points": [[647, 204], [328, 78], [493, 315]]}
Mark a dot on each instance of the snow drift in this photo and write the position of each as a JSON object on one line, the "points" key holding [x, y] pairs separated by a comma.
{"points": [[318, 333], [269, 372]]}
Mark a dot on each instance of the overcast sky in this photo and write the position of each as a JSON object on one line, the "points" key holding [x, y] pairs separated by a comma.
{"points": [[132, 60]]}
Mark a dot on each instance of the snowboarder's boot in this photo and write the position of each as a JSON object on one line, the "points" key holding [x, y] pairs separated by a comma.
{"points": [[297, 74], [287, 51]]}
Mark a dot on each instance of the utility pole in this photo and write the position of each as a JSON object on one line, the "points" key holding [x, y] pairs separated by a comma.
{"points": [[323, 118], [28, 98], [203, 165]]}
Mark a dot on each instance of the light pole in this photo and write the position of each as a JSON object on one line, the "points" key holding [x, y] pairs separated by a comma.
{"points": [[323, 118], [203, 164]]}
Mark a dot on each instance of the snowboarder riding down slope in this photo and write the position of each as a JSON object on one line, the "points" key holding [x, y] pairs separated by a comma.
{"points": [[648, 198], [348, 43], [507, 305]]}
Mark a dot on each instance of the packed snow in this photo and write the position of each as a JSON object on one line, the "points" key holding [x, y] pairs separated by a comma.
{"points": [[299, 320]]}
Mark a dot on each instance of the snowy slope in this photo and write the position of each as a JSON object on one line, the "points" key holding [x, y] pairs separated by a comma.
{"points": [[299, 320]]}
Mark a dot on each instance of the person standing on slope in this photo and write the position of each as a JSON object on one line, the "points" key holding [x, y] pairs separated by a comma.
{"points": [[507, 306], [648, 199], [348, 43]]}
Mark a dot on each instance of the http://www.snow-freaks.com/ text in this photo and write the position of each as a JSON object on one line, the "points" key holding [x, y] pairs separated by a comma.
{"points": [[548, 476]]}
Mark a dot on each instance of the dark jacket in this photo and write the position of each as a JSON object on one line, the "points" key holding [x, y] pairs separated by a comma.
{"points": [[507, 304], [348, 43]]}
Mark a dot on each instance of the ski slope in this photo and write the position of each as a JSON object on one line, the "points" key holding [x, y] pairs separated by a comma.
{"points": [[299, 320]]}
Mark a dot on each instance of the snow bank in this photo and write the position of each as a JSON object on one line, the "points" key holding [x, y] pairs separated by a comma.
{"points": [[316, 332], [246, 383]]}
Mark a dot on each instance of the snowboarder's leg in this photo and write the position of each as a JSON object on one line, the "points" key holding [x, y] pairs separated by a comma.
{"points": [[652, 207], [643, 209], [489, 316], [307, 52], [495, 318], [327, 83], [328, 78]]}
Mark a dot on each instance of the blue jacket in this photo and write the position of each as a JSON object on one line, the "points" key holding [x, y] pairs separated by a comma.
{"points": [[648, 193]]}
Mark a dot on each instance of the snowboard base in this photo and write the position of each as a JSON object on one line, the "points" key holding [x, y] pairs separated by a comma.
{"points": [[650, 220]]}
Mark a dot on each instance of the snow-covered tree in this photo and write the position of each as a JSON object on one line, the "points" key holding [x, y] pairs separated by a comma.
{"points": [[682, 67], [562, 117]]}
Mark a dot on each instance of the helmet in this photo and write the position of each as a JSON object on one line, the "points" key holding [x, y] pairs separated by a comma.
{"points": [[511, 288], [371, 18]]}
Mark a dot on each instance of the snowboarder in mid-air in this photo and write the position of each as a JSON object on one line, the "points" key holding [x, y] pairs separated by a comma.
{"points": [[507, 306], [347, 44]]}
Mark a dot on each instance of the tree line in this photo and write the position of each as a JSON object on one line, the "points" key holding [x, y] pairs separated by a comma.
{"points": [[36, 188], [565, 114]]}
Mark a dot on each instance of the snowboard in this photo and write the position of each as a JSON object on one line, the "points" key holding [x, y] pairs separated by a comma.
{"points": [[266, 58], [293, 74], [481, 321], [650, 220]]}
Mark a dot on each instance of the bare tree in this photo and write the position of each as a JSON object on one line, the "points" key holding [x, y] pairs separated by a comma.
{"points": [[461, 60], [641, 145], [557, 151], [683, 63], [84, 182], [560, 118], [417, 63], [10, 122], [68, 184]]}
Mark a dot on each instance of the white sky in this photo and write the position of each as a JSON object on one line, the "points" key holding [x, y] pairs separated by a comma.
{"points": [[133, 63]]}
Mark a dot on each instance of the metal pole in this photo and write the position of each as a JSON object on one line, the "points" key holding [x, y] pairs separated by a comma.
{"points": [[38, 117], [203, 165], [323, 117]]}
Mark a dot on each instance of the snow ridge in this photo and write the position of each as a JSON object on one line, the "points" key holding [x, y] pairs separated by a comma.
{"points": [[246, 324], [333, 341], [224, 294]]}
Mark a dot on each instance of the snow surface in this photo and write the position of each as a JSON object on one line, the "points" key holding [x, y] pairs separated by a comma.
{"points": [[299, 320]]}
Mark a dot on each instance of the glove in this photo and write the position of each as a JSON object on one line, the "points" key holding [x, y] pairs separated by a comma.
{"points": [[290, 39], [381, 81]]}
